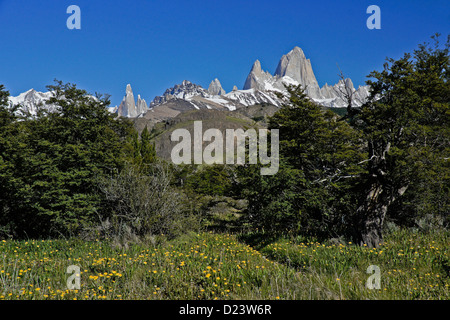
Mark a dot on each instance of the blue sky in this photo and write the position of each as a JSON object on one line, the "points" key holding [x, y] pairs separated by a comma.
{"points": [[154, 45]]}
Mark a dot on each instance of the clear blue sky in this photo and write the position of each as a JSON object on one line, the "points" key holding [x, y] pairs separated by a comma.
{"points": [[155, 44]]}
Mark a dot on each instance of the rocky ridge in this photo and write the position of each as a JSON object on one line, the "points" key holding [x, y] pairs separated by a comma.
{"points": [[260, 87]]}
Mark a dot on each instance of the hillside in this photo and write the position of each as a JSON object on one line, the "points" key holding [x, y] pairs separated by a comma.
{"points": [[211, 119]]}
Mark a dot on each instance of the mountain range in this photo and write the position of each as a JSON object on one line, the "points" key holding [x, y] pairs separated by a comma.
{"points": [[260, 88]]}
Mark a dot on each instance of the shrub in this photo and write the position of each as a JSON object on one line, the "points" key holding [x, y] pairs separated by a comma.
{"points": [[142, 203]]}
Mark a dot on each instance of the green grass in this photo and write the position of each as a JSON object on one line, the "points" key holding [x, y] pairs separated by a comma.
{"points": [[412, 266], [223, 266]]}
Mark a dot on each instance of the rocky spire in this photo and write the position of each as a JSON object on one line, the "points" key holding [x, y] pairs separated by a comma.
{"points": [[141, 106], [215, 88], [256, 68], [297, 67], [256, 77], [127, 107]]}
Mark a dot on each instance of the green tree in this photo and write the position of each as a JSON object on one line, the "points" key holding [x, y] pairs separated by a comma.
{"points": [[9, 140], [214, 180], [53, 161], [318, 156], [405, 124], [6, 114], [142, 148]]}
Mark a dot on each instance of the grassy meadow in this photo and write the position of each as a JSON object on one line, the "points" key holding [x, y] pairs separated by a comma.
{"points": [[224, 266]]}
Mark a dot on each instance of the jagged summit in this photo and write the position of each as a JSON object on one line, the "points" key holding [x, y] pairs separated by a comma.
{"points": [[215, 88], [257, 77], [185, 90], [260, 87], [297, 67], [31, 100], [294, 68], [128, 107], [256, 66]]}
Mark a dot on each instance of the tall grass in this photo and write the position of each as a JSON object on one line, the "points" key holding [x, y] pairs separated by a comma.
{"points": [[219, 266]]}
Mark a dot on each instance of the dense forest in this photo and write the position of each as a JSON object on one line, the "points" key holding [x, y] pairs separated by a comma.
{"points": [[81, 172]]}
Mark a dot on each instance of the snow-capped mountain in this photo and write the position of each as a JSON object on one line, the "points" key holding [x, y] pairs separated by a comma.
{"points": [[186, 91], [215, 97], [31, 100], [260, 87], [295, 69]]}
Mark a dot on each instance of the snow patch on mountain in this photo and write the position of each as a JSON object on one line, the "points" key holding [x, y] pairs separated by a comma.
{"points": [[30, 101]]}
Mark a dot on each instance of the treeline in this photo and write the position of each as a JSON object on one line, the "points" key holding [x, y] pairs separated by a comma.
{"points": [[346, 176], [79, 171]]}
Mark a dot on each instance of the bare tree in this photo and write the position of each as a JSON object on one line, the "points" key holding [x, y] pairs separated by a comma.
{"points": [[141, 204], [347, 92]]}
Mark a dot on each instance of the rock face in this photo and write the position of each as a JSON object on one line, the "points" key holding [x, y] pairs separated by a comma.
{"points": [[141, 106], [128, 107], [297, 67], [185, 90], [260, 88], [215, 88], [257, 77], [294, 68]]}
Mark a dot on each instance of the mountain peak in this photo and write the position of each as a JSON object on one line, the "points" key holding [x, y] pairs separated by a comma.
{"points": [[127, 107], [185, 90], [256, 77], [296, 66], [296, 50], [256, 67], [128, 89], [215, 88]]}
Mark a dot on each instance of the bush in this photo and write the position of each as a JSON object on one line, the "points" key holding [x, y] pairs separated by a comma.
{"points": [[142, 204]]}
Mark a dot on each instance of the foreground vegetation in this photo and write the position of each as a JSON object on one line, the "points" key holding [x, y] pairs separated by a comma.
{"points": [[137, 224], [224, 266]]}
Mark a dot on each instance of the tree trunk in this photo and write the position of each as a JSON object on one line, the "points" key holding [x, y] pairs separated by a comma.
{"points": [[376, 199], [372, 212]]}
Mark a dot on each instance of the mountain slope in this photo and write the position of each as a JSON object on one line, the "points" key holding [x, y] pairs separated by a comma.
{"points": [[211, 119]]}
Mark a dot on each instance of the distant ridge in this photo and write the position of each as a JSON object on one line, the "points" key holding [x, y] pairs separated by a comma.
{"points": [[260, 87]]}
